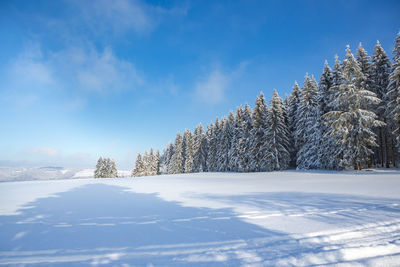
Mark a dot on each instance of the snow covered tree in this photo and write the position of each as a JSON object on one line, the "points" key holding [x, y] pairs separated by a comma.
{"points": [[244, 146], [329, 144], [166, 160], [393, 101], [139, 167], [380, 76], [308, 135], [276, 136], [99, 172], [177, 158], [199, 150], [258, 140], [233, 153], [225, 142], [350, 121], [212, 140], [293, 105], [113, 169], [188, 152], [105, 168]]}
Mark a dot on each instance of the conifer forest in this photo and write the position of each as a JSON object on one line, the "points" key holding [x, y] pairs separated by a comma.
{"points": [[348, 120]]}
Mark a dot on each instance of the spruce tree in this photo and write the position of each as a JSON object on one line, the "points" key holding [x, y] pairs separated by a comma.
{"points": [[188, 144], [245, 154], [177, 158], [225, 143], [113, 169], [258, 140], [276, 136], [393, 100], [380, 76], [294, 102], [233, 153], [308, 135], [350, 121], [199, 150], [98, 173], [329, 147], [139, 166]]}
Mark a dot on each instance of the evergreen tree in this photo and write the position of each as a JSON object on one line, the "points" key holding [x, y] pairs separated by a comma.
{"points": [[350, 121], [294, 102], [233, 153], [245, 154], [157, 162], [113, 169], [212, 140], [277, 136], [139, 166], [224, 143], [188, 144], [393, 101], [329, 144], [199, 150], [308, 133], [177, 158], [393, 111], [258, 140], [98, 173], [380, 76]]}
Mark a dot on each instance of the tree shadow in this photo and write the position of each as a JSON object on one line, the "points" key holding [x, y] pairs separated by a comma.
{"points": [[99, 223]]}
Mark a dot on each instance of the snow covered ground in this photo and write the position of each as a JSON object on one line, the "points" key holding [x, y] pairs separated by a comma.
{"points": [[279, 218]]}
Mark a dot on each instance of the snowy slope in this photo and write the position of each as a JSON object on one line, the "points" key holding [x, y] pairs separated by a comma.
{"points": [[278, 218]]}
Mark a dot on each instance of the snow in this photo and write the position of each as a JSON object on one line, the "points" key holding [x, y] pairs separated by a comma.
{"points": [[278, 218], [8, 174]]}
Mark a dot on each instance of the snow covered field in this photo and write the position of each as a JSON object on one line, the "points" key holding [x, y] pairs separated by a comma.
{"points": [[279, 218]]}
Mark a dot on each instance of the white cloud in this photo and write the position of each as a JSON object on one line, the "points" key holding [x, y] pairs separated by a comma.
{"points": [[29, 67], [76, 68], [212, 88], [120, 16]]}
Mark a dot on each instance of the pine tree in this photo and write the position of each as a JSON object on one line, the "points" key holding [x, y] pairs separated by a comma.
{"points": [[225, 142], [139, 167], [98, 173], [177, 158], [393, 100], [212, 140], [294, 102], [350, 121], [188, 154], [245, 154], [157, 162], [199, 150], [113, 169], [277, 136], [308, 135], [329, 147], [380, 76], [166, 165], [233, 153], [258, 140]]}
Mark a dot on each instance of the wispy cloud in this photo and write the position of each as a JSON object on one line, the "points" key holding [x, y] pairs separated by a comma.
{"points": [[212, 88], [121, 16], [82, 68], [30, 67]]}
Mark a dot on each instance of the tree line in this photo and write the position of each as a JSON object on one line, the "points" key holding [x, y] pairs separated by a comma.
{"points": [[348, 120]]}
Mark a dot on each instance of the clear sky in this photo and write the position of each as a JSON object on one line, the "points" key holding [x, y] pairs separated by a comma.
{"points": [[83, 79]]}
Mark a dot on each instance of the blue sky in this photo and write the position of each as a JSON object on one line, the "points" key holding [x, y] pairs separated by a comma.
{"points": [[83, 79]]}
